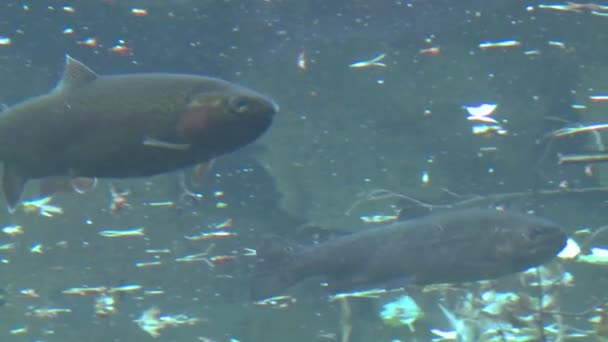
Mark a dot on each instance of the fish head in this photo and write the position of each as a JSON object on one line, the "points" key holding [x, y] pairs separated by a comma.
{"points": [[225, 117], [524, 241]]}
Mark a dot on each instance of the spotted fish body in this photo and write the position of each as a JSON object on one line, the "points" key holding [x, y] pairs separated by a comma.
{"points": [[120, 126], [451, 247]]}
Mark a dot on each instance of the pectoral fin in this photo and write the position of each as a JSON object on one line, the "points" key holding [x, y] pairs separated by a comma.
{"points": [[361, 282], [53, 185], [13, 182], [201, 171], [147, 141]]}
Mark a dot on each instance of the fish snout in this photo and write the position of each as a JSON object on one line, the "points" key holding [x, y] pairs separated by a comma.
{"points": [[547, 236], [275, 106]]}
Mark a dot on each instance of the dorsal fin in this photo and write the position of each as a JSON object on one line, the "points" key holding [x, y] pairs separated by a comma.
{"points": [[75, 75]]}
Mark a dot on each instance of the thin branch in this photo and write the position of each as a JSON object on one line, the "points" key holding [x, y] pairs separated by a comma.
{"points": [[475, 200]]}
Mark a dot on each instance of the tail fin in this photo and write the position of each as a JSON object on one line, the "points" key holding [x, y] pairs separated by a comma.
{"points": [[273, 271]]}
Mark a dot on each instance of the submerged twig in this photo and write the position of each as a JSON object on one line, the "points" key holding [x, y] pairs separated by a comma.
{"points": [[475, 200], [540, 314], [584, 246], [345, 320], [382, 194]]}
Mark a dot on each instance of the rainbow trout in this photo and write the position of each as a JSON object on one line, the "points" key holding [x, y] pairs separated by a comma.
{"points": [[120, 126], [450, 247]]}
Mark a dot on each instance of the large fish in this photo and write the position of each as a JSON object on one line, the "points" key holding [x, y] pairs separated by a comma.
{"points": [[126, 126], [450, 247]]}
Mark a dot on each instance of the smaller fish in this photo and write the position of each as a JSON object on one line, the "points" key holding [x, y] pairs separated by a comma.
{"points": [[450, 247]]}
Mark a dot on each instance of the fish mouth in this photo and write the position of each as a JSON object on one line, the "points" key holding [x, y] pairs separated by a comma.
{"points": [[275, 106], [265, 117], [559, 239], [267, 109], [550, 240]]}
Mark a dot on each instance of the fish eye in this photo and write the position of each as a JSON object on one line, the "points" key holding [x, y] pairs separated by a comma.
{"points": [[239, 105]]}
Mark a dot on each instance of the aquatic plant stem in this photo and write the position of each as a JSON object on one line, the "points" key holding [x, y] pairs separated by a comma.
{"points": [[540, 314]]}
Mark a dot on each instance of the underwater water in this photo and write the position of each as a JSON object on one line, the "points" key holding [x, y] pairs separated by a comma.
{"points": [[386, 107]]}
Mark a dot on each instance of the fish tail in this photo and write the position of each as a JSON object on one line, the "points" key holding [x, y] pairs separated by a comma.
{"points": [[274, 272]]}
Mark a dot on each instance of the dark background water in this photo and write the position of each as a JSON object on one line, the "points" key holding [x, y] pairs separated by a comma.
{"points": [[341, 133]]}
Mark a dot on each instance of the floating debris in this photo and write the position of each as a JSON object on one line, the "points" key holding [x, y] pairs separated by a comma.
{"points": [[403, 311], [217, 259], [161, 204], [562, 132], [88, 42], [139, 12], [37, 248], [376, 61], [482, 112], [489, 130], [118, 200], [42, 207], [105, 305], [371, 293], [598, 98], [85, 291], [158, 251], [593, 157], [113, 233], [7, 246], [28, 294], [18, 331], [196, 258], [153, 292], [5, 41], [148, 264], [152, 322], [221, 205], [435, 50], [302, 61], [598, 256], [12, 230], [125, 288], [226, 224], [499, 44], [277, 302], [209, 235], [378, 218], [48, 313], [575, 7], [497, 303], [120, 48]]}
